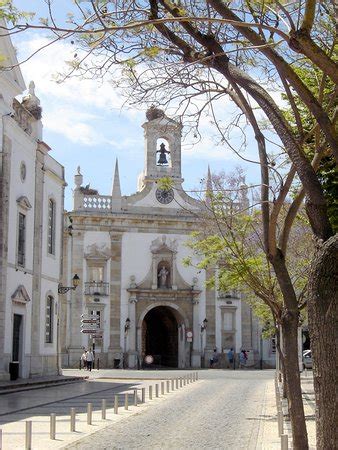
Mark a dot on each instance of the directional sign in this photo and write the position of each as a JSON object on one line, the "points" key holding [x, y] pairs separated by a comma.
{"points": [[91, 331], [97, 336], [89, 316], [90, 321]]}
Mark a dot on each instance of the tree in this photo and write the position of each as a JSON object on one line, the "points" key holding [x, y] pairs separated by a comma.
{"points": [[175, 47]]}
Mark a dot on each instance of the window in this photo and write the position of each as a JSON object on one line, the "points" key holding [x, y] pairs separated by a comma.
{"points": [[228, 321], [51, 227], [49, 319], [21, 239], [96, 274]]}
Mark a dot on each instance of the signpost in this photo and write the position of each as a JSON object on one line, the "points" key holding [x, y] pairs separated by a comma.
{"points": [[90, 324]]}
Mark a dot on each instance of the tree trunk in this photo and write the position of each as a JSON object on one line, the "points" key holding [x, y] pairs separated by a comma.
{"points": [[293, 386], [322, 313]]}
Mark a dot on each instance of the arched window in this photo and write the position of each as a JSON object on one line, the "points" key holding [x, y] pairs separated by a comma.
{"points": [[163, 157], [51, 227], [49, 319]]}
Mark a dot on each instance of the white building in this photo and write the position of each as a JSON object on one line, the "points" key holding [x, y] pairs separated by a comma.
{"points": [[31, 195], [128, 252]]}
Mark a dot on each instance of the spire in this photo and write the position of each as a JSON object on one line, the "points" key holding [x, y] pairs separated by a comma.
{"points": [[116, 189], [208, 190]]}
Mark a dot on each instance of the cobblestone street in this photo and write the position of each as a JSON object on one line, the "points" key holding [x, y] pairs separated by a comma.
{"points": [[225, 409]]}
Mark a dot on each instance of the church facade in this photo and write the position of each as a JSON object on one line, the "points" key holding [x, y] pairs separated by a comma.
{"points": [[128, 252], [31, 223]]}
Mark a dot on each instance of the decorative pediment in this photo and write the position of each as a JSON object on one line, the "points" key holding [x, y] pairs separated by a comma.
{"points": [[97, 251], [23, 202], [20, 295], [163, 245]]}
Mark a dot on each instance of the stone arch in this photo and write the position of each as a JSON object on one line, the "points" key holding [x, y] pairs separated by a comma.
{"points": [[177, 354]]}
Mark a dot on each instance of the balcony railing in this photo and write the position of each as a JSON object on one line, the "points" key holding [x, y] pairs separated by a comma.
{"points": [[97, 202], [96, 288]]}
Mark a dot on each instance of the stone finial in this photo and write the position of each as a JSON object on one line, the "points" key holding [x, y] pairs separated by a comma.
{"points": [[32, 103], [78, 178], [132, 282]]}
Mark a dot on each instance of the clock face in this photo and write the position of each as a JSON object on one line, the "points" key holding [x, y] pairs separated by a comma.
{"points": [[164, 196]]}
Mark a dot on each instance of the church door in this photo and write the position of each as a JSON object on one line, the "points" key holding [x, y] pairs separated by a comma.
{"points": [[160, 336]]}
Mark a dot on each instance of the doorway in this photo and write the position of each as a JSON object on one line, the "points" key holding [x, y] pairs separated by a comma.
{"points": [[160, 336]]}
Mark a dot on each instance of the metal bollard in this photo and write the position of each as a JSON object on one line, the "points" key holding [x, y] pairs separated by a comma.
{"points": [[176, 383], [143, 390], [162, 387], [116, 404], [72, 419], [156, 390], [188, 379], [150, 392], [52, 426], [28, 435], [0, 439], [126, 401], [172, 384], [196, 376], [181, 382], [280, 422], [104, 409], [89, 413], [135, 397], [184, 381], [284, 442], [168, 386]]}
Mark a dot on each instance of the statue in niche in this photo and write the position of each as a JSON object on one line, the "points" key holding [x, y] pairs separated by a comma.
{"points": [[162, 160], [162, 277]]}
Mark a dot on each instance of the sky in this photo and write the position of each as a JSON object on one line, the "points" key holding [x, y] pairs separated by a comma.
{"points": [[87, 124]]}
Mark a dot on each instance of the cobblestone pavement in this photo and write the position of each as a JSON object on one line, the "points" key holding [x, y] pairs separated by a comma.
{"points": [[222, 411]]}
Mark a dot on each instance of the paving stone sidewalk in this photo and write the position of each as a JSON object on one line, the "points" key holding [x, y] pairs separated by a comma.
{"points": [[232, 419]]}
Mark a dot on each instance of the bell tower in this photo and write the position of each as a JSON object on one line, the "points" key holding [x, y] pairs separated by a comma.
{"points": [[162, 148]]}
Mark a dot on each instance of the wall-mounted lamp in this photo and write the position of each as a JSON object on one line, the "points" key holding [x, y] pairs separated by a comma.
{"points": [[204, 325], [64, 289], [127, 325]]}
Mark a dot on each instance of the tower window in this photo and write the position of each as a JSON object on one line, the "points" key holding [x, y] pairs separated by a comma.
{"points": [[163, 153], [51, 227], [21, 239]]}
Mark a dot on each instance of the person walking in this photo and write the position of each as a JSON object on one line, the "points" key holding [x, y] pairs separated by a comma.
{"points": [[214, 358], [242, 359], [84, 359], [231, 357], [90, 359]]}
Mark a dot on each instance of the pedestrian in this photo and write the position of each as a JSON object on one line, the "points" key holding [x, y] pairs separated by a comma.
{"points": [[231, 357], [90, 359], [242, 358], [214, 358], [84, 359]]}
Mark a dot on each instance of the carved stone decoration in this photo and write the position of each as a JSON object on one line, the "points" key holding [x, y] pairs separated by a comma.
{"points": [[132, 282], [20, 295], [97, 251], [24, 202], [162, 243]]}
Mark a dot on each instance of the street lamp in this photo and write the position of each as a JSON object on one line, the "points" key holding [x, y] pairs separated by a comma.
{"points": [[204, 325], [65, 289], [127, 325]]}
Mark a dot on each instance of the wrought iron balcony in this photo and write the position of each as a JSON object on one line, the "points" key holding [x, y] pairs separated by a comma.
{"points": [[99, 288]]}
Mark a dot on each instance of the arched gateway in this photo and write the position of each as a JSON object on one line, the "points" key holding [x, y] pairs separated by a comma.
{"points": [[160, 336]]}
